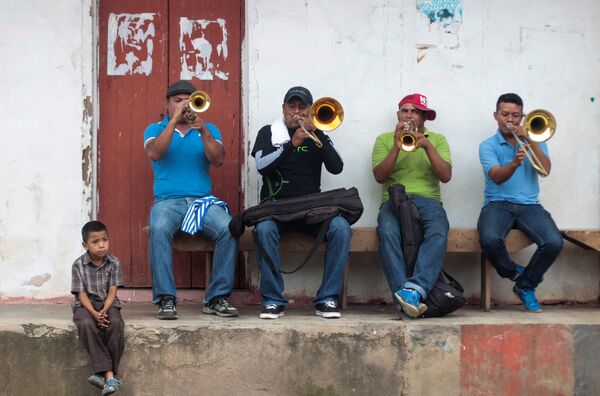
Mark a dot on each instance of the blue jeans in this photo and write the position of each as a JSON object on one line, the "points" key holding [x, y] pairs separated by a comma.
{"points": [[165, 219], [338, 244], [498, 218], [431, 251]]}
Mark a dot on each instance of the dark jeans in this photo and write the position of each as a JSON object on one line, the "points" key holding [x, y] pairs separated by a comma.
{"points": [[336, 254], [431, 252], [105, 346], [498, 218]]}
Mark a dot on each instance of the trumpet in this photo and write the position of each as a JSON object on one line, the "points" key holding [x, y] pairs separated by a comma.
{"points": [[325, 114], [539, 125], [407, 140], [199, 102]]}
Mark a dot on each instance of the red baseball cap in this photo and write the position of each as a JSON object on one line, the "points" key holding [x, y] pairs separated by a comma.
{"points": [[420, 102]]}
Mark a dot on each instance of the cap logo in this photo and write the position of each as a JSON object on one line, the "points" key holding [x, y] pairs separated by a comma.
{"points": [[423, 100]]}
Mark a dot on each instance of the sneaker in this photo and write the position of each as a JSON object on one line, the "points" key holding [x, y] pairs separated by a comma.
{"points": [[167, 310], [220, 307], [519, 269], [527, 297], [96, 380], [272, 311], [411, 302], [328, 309], [112, 385]]}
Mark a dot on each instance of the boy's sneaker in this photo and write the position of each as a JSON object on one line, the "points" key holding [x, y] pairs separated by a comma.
{"points": [[112, 385], [96, 380], [519, 270], [328, 309], [220, 307], [411, 302], [167, 310], [272, 311], [528, 299]]}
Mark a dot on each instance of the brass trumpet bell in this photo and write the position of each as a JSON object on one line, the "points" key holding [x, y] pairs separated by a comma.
{"points": [[199, 101], [540, 125], [407, 142], [326, 114]]}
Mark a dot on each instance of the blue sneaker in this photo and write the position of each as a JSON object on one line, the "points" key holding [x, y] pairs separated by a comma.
{"points": [[528, 299], [411, 302], [519, 270]]}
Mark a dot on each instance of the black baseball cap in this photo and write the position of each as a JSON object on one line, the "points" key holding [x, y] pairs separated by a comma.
{"points": [[298, 92], [180, 87]]}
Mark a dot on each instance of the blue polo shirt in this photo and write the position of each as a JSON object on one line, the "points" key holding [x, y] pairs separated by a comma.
{"points": [[184, 169], [523, 186]]}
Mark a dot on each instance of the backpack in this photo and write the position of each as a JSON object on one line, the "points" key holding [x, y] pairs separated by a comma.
{"points": [[446, 296]]}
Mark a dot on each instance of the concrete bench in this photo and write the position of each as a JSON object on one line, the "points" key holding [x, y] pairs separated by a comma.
{"points": [[364, 239]]}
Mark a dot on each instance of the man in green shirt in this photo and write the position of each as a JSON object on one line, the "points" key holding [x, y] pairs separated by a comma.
{"points": [[420, 171]]}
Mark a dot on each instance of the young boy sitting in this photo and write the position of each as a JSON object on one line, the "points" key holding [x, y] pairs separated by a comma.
{"points": [[96, 309]]}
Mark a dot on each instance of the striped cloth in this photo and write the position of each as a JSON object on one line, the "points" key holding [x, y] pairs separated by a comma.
{"points": [[194, 218]]}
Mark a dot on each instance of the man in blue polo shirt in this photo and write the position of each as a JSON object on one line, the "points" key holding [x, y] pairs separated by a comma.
{"points": [[182, 149], [511, 201]]}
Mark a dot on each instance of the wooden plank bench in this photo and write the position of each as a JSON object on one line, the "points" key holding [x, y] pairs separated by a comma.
{"points": [[364, 239]]}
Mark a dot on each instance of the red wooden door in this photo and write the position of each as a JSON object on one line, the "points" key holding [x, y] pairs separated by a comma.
{"points": [[145, 45]]}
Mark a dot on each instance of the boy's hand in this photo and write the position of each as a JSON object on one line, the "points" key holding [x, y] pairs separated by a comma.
{"points": [[102, 319]]}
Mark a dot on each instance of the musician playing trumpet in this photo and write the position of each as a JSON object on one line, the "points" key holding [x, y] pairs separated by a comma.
{"points": [[420, 167], [511, 200]]}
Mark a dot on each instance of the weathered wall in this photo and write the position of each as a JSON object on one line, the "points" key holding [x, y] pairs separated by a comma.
{"points": [[45, 143], [367, 352], [369, 54]]}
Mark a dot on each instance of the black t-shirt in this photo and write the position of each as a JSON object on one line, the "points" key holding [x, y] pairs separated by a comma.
{"points": [[296, 171]]}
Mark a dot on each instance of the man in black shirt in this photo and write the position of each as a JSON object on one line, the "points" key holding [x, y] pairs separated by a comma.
{"points": [[290, 164]]}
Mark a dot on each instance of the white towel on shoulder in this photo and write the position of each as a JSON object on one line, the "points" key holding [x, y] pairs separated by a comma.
{"points": [[279, 132]]}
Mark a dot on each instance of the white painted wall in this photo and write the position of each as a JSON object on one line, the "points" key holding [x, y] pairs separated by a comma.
{"points": [[364, 53], [45, 76]]}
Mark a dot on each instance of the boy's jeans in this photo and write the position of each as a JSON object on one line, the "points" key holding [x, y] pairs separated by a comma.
{"points": [[338, 244], [498, 218], [431, 251], [165, 219]]}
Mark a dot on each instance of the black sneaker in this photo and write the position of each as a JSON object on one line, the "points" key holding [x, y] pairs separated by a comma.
{"points": [[219, 306], [166, 309], [272, 311], [328, 309]]}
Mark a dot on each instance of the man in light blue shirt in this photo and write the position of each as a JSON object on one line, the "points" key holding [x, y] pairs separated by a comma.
{"points": [[182, 149], [511, 201]]}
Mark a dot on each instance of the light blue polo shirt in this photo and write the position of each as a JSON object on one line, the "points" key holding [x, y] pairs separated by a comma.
{"points": [[523, 186], [184, 169]]}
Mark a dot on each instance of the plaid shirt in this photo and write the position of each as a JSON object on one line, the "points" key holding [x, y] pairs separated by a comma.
{"points": [[95, 281]]}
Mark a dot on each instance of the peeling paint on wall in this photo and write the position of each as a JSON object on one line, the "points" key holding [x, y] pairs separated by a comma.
{"points": [[203, 46], [443, 19], [130, 44], [38, 281]]}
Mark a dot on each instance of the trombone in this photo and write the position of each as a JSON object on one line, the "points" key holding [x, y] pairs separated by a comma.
{"points": [[326, 114], [539, 125], [199, 102], [407, 140]]}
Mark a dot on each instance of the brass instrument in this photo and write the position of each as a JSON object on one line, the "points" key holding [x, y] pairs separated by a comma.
{"points": [[407, 140], [199, 102], [326, 114], [539, 125]]}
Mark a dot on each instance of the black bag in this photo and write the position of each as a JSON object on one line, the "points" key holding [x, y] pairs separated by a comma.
{"points": [[411, 225], [317, 208], [309, 209], [447, 294]]}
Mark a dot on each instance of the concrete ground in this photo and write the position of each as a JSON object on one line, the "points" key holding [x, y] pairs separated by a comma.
{"points": [[371, 350]]}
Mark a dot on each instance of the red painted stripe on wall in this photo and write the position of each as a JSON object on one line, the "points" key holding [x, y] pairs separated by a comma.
{"points": [[517, 360]]}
